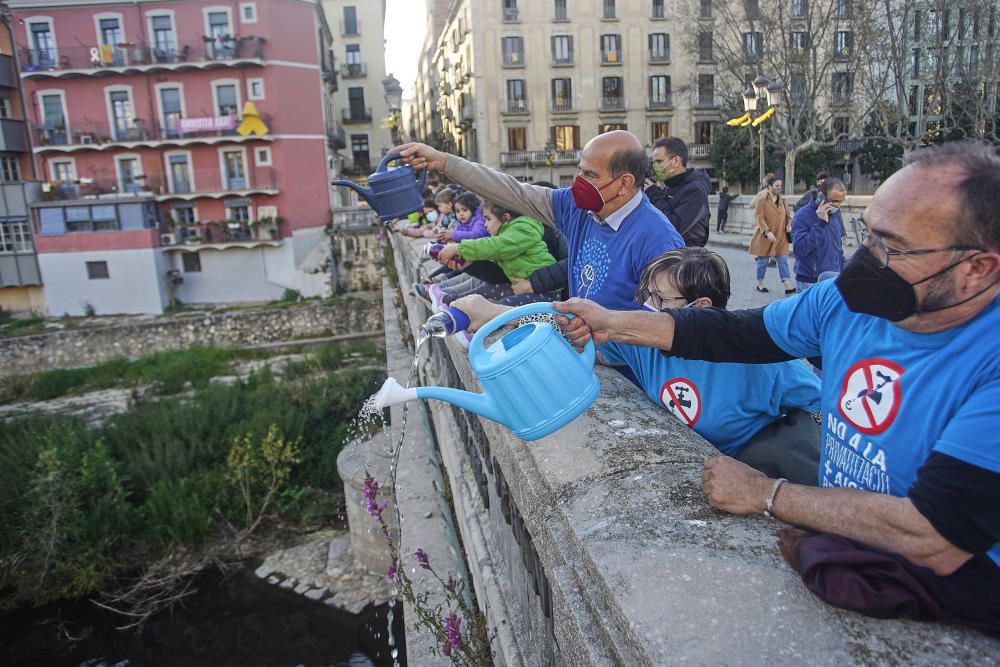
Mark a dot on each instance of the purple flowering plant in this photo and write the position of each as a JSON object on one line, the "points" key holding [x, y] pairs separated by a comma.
{"points": [[469, 647]]}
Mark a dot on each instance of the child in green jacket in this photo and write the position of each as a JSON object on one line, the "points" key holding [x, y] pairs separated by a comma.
{"points": [[515, 244]]}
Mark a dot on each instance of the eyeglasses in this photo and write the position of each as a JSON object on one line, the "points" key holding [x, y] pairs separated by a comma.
{"points": [[656, 300], [881, 251]]}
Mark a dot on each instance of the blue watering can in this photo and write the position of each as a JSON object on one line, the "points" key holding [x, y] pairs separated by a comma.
{"points": [[534, 382], [394, 193]]}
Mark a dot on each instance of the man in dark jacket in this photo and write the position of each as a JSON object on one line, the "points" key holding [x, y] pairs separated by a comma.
{"points": [[817, 235], [680, 192], [810, 195], [723, 215]]}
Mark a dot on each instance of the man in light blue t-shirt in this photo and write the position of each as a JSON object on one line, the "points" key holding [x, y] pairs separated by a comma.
{"points": [[611, 229], [910, 472]]}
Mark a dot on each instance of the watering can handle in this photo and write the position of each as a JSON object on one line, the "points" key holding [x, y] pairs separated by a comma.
{"points": [[477, 344], [397, 156]]}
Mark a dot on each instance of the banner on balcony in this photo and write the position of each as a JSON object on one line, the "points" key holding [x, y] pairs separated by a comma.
{"points": [[207, 124]]}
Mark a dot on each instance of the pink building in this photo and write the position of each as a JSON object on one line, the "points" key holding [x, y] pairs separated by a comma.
{"points": [[152, 192]]}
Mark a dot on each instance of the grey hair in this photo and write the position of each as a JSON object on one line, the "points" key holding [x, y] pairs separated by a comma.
{"points": [[629, 161], [695, 272], [978, 187], [830, 184]]}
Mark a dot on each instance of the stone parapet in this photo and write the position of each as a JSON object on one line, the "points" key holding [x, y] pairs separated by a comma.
{"points": [[141, 336], [596, 545]]}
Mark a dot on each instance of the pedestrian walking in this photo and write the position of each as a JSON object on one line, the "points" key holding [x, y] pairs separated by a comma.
{"points": [[770, 234], [723, 217]]}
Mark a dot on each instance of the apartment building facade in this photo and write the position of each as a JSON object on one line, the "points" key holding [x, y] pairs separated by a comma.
{"points": [[183, 147], [359, 26], [20, 279], [523, 85]]}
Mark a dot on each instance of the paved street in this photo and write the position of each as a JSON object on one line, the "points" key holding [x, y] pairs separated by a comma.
{"points": [[741, 269]]}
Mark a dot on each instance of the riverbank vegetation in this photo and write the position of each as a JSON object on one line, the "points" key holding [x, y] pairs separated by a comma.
{"points": [[176, 482]]}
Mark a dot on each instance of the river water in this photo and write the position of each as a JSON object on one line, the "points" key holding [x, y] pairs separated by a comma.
{"points": [[236, 620]]}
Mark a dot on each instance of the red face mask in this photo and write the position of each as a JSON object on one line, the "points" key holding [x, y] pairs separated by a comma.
{"points": [[587, 196]]}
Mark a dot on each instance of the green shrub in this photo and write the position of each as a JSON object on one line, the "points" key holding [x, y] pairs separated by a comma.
{"points": [[184, 511], [291, 296]]}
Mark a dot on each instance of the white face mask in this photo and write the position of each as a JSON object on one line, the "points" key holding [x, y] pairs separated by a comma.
{"points": [[432, 216]]}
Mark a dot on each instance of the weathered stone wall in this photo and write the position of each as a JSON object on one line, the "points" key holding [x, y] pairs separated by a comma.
{"points": [[358, 240], [596, 546], [85, 347]]}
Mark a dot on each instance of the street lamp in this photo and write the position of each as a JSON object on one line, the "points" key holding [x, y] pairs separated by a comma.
{"points": [[769, 92], [393, 98]]}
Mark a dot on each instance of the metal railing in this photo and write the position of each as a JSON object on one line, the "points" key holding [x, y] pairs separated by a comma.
{"points": [[142, 55], [612, 104], [513, 59], [353, 70], [563, 105], [349, 29], [659, 101], [196, 182], [611, 57], [699, 150], [134, 130], [510, 14], [538, 158], [563, 60], [356, 115], [515, 106]]}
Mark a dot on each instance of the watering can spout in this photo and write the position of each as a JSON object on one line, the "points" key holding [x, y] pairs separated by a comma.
{"points": [[467, 400], [364, 192], [393, 393]]}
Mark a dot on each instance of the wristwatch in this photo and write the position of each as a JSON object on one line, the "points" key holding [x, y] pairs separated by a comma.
{"points": [[769, 508]]}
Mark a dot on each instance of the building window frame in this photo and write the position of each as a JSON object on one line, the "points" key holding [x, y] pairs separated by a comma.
{"points": [[226, 182], [517, 138], [215, 84], [15, 237], [29, 37], [118, 55], [244, 6], [112, 127], [50, 167], [40, 94], [186, 219], [262, 156], [161, 112], [139, 175], [256, 95], [190, 262], [97, 270], [10, 169], [172, 49], [168, 169], [206, 12], [515, 57]]}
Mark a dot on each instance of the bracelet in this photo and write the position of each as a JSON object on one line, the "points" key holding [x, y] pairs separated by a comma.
{"points": [[768, 509]]}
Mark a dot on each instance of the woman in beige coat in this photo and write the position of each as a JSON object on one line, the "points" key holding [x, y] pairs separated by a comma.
{"points": [[770, 235]]}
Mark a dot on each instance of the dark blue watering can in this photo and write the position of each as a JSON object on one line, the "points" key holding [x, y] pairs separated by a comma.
{"points": [[394, 193]]}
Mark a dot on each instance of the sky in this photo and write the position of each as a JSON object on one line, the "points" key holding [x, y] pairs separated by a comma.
{"points": [[405, 26]]}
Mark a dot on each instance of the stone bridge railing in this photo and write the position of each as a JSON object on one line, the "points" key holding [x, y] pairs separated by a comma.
{"points": [[596, 546]]}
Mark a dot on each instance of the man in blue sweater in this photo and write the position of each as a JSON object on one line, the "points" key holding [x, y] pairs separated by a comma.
{"points": [[818, 235], [610, 227]]}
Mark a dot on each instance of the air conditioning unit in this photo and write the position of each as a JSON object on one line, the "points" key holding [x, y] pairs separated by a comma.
{"points": [[168, 239]]}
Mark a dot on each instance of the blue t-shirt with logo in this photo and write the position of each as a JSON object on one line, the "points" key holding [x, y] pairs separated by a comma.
{"points": [[605, 265], [890, 396], [727, 404]]}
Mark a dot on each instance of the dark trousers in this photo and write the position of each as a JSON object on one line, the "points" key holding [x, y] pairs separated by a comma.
{"points": [[788, 448], [720, 225]]}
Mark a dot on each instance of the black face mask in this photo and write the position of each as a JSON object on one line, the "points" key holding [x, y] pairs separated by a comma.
{"points": [[875, 290]]}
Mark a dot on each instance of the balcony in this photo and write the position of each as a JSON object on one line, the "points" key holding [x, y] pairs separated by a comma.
{"points": [[213, 184], [510, 15], [564, 105], [659, 57], [538, 158], [565, 60], [357, 115], [218, 234], [659, 102], [336, 137], [611, 57], [514, 59], [514, 107], [350, 28], [140, 132], [206, 53], [353, 71], [612, 104], [699, 151]]}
